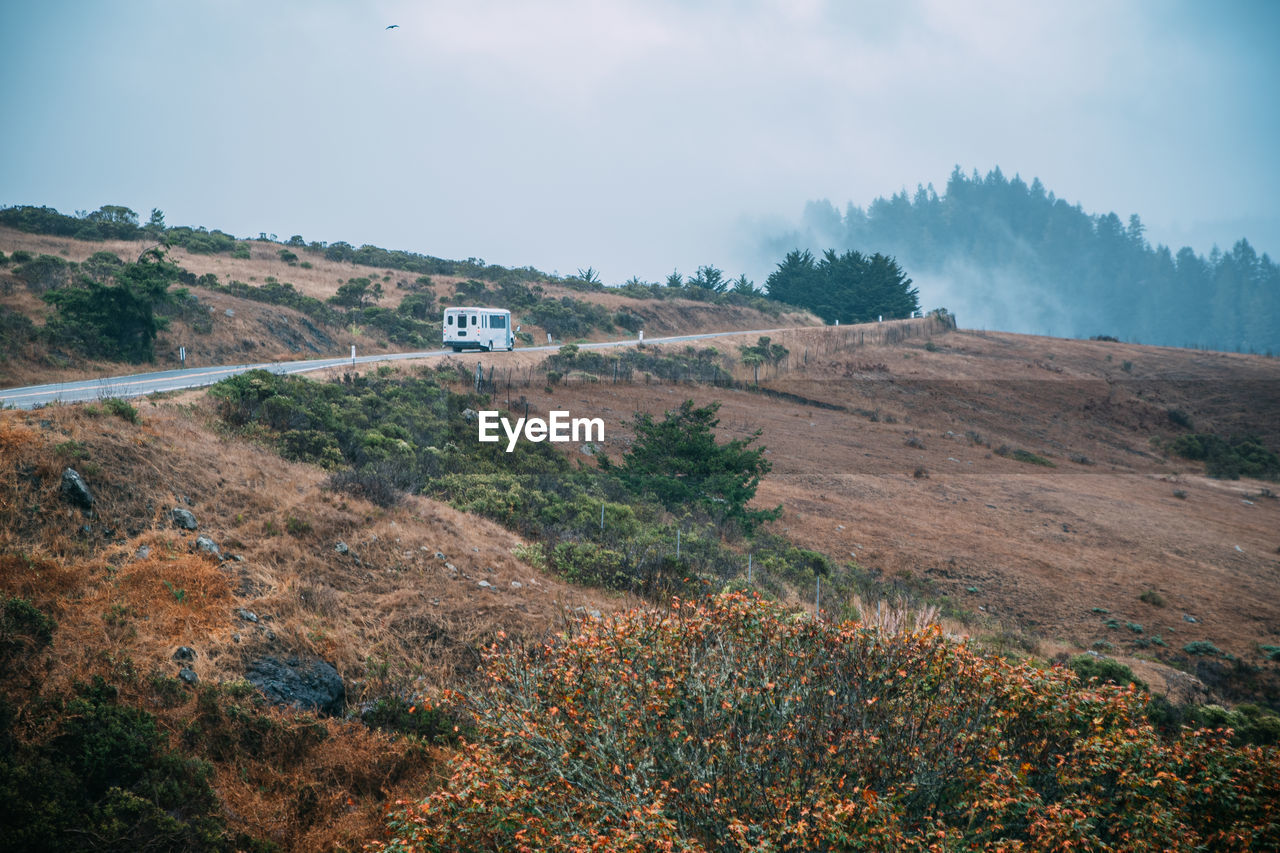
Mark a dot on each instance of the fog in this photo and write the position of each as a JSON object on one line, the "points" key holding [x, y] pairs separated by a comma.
{"points": [[634, 137]]}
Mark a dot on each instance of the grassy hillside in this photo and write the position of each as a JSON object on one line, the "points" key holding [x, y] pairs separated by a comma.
{"points": [[265, 301], [1023, 493], [893, 586]]}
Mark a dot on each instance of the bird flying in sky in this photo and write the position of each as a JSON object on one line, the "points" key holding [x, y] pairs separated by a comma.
{"points": [[394, 27]]}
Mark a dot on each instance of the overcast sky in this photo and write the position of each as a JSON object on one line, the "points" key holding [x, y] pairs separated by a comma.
{"points": [[635, 136]]}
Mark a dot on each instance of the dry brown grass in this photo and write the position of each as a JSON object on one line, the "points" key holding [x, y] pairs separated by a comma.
{"points": [[396, 620]]}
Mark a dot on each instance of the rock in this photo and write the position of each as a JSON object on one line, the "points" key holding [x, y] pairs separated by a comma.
{"points": [[439, 555], [230, 312], [1189, 618], [309, 685], [183, 518], [208, 546], [587, 449], [342, 547], [247, 615], [188, 675], [142, 553], [516, 585], [184, 653], [76, 490], [468, 415], [484, 585]]}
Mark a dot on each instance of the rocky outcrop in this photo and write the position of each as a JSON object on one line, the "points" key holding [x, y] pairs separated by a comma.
{"points": [[183, 518], [76, 490], [309, 685], [205, 545]]}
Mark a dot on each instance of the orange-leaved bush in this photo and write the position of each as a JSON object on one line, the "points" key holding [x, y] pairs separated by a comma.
{"points": [[734, 724]]}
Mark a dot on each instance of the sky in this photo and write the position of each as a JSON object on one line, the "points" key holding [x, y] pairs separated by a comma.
{"points": [[633, 136]]}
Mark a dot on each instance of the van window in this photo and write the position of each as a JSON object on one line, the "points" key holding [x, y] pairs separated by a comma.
{"points": [[497, 321], [448, 319], [473, 319]]}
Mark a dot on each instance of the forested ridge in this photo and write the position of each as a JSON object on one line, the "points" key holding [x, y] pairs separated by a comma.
{"points": [[1006, 254]]}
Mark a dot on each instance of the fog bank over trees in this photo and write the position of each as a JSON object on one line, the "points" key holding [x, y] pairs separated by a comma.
{"points": [[1008, 255]]}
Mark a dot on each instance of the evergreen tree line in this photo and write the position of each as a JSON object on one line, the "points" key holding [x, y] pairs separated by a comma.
{"points": [[1014, 256], [845, 288]]}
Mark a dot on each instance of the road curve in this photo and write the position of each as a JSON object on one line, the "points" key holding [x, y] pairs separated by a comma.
{"points": [[138, 384]]}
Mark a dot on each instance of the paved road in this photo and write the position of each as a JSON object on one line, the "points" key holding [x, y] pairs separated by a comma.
{"points": [[194, 377]]}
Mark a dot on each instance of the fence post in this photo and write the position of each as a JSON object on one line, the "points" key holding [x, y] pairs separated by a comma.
{"points": [[817, 600], [749, 569], [677, 543], [602, 516], [479, 376]]}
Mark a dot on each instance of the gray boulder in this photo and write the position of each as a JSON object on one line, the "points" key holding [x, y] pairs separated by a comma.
{"points": [[183, 518], [205, 545], [76, 490], [309, 685]]}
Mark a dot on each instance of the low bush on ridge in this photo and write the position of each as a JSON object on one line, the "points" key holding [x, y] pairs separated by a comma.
{"points": [[736, 725]]}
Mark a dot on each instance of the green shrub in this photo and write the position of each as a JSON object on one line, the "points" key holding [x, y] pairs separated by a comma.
{"points": [[402, 716], [121, 409], [1104, 669], [1024, 456], [117, 321], [1202, 647], [585, 563], [46, 272], [103, 779], [1241, 456], [24, 630]]}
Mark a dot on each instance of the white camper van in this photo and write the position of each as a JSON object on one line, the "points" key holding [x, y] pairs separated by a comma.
{"points": [[478, 328]]}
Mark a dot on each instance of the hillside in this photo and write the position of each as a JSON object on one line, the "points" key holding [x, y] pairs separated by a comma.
{"points": [[260, 307], [1015, 486]]}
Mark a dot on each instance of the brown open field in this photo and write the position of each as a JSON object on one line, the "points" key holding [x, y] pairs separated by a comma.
{"points": [[906, 480]]}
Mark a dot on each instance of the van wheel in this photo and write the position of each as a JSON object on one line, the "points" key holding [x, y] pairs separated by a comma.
{"points": [[457, 349]]}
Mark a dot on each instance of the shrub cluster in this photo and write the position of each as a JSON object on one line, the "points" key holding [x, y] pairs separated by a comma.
{"points": [[102, 777], [1229, 459], [383, 436], [735, 725], [689, 364]]}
